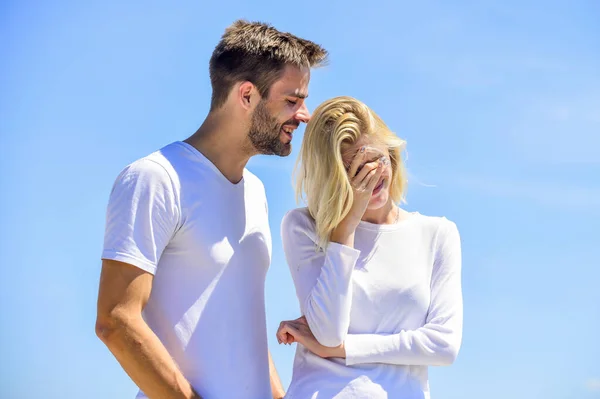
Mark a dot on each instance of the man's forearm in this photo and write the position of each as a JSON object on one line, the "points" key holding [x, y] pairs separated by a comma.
{"points": [[145, 359], [276, 387]]}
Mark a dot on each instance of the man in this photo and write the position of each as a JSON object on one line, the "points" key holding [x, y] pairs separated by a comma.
{"points": [[187, 242]]}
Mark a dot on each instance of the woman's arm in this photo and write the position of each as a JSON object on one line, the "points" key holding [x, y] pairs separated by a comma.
{"points": [[436, 343], [323, 280]]}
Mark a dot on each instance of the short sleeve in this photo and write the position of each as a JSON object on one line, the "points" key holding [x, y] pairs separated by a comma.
{"points": [[142, 215]]}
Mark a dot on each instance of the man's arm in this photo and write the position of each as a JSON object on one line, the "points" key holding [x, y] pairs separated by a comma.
{"points": [[123, 294], [276, 387]]}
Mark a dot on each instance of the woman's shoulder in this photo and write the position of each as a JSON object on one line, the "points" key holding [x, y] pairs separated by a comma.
{"points": [[298, 217], [298, 223], [435, 225]]}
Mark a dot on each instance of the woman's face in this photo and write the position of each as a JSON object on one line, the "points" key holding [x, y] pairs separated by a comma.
{"points": [[373, 151]]}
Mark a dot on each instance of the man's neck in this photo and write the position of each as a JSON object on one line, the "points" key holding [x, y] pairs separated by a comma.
{"points": [[224, 144]]}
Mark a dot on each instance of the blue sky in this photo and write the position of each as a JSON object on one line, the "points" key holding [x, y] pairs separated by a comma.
{"points": [[499, 102]]}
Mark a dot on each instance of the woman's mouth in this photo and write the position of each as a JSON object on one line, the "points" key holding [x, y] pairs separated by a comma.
{"points": [[378, 188]]}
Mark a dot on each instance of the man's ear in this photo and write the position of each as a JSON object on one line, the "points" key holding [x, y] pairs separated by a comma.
{"points": [[247, 95]]}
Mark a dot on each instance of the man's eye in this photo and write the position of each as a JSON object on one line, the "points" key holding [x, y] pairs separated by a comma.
{"points": [[292, 102]]}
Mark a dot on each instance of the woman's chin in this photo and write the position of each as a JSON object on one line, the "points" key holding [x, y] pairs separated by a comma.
{"points": [[379, 200]]}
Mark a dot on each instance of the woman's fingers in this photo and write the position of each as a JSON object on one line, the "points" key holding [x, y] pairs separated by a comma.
{"points": [[374, 178], [280, 335], [362, 180], [290, 339], [359, 179], [282, 332], [357, 161], [287, 333]]}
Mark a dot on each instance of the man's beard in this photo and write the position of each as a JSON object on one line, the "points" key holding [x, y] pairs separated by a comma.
{"points": [[265, 131]]}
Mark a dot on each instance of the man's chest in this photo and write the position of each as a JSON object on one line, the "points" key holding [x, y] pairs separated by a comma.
{"points": [[218, 231]]}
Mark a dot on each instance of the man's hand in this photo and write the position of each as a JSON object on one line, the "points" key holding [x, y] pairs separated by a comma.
{"points": [[291, 331]]}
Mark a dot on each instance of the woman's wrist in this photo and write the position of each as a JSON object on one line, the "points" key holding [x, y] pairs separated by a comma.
{"points": [[343, 235], [337, 351]]}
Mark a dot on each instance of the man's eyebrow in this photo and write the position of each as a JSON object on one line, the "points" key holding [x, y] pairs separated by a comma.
{"points": [[297, 94]]}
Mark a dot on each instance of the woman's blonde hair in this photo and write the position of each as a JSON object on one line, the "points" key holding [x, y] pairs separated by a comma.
{"points": [[321, 177]]}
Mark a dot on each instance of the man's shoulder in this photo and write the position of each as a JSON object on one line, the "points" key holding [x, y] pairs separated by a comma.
{"points": [[152, 169], [160, 156], [168, 156]]}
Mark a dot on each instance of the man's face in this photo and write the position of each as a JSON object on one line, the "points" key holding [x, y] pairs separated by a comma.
{"points": [[275, 119]]}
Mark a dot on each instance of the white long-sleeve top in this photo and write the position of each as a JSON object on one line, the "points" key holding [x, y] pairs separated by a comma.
{"points": [[395, 300]]}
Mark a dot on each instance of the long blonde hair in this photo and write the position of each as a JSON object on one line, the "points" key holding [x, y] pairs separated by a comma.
{"points": [[321, 178]]}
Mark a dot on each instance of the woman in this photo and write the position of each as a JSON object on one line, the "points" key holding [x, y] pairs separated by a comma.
{"points": [[379, 287]]}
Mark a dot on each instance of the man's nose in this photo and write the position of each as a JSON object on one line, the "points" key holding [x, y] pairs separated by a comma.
{"points": [[303, 115]]}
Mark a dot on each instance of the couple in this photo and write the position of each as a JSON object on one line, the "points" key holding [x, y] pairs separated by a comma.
{"points": [[187, 247]]}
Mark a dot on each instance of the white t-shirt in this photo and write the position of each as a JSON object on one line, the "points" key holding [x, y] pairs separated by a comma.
{"points": [[394, 299], [208, 244]]}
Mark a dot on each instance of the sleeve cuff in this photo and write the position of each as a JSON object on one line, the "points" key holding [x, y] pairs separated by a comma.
{"points": [[346, 254], [130, 259], [367, 348]]}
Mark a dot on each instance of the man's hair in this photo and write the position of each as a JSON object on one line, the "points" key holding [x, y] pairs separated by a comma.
{"points": [[258, 53]]}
